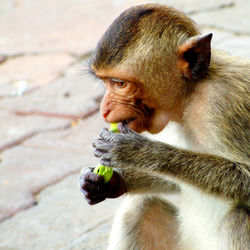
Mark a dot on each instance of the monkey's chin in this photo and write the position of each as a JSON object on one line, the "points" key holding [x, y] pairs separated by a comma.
{"points": [[154, 130], [139, 127], [158, 123]]}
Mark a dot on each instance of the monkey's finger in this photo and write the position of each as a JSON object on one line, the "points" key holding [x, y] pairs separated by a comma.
{"points": [[93, 195], [100, 145], [92, 177], [123, 128], [85, 170], [98, 153], [92, 187], [106, 162], [88, 175], [95, 201], [106, 134]]}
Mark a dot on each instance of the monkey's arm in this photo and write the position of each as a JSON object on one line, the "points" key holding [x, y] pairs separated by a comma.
{"points": [[123, 180], [210, 173], [145, 182]]}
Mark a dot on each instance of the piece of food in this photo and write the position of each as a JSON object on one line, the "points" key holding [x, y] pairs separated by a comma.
{"points": [[113, 128], [104, 171]]}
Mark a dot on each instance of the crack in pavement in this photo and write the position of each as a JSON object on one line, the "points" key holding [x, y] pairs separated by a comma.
{"points": [[36, 192], [26, 137], [79, 57], [214, 8], [81, 238], [47, 114], [236, 33]]}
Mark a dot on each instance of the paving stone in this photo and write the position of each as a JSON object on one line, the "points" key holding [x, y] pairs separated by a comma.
{"points": [[61, 25], [61, 220], [43, 160], [30, 72]]}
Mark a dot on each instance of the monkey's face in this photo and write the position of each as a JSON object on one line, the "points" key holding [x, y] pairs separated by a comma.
{"points": [[126, 100], [144, 42]]}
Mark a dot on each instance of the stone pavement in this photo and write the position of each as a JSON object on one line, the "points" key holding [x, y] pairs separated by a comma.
{"points": [[49, 112]]}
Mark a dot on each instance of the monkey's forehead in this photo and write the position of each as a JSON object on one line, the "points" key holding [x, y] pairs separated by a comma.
{"points": [[151, 21]]}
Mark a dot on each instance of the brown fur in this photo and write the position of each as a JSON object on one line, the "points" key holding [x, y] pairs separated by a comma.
{"points": [[170, 73]]}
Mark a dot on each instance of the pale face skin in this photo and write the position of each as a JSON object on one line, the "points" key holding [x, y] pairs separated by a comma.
{"points": [[125, 100]]}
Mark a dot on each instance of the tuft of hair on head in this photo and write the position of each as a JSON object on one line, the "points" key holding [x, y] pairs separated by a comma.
{"points": [[152, 23]]}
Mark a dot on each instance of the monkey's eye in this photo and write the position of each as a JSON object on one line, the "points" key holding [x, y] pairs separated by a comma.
{"points": [[117, 82]]}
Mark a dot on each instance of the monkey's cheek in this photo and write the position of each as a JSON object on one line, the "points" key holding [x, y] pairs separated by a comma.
{"points": [[158, 124]]}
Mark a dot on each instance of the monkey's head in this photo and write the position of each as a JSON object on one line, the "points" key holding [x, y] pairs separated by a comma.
{"points": [[149, 59]]}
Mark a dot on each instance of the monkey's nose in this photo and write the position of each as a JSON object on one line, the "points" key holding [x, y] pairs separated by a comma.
{"points": [[105, 114]]}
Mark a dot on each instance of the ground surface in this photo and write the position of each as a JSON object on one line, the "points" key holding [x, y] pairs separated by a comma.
{"points": [[49, 112]]}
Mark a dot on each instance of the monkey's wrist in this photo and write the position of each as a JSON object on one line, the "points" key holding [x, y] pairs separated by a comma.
{"points": [[116, 185]]}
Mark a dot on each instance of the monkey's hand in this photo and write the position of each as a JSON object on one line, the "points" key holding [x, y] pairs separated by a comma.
{"points": [[127, 149], [95, 190]]}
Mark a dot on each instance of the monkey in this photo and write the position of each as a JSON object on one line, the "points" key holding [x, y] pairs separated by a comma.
{"points": [[157, 67]]}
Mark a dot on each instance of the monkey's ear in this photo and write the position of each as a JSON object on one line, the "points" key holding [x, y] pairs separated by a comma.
{"points": [[194, 56]]}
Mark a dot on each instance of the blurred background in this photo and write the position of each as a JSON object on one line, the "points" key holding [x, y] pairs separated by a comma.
{"points": [[49, 112]]}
